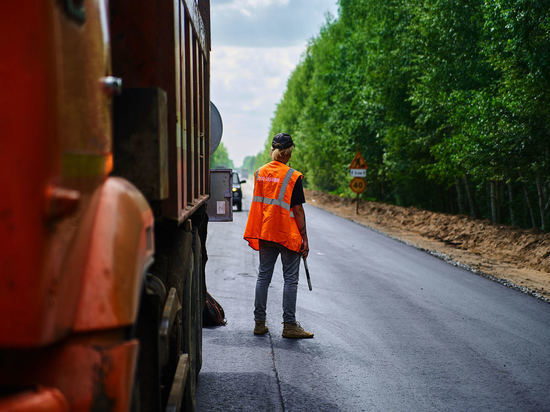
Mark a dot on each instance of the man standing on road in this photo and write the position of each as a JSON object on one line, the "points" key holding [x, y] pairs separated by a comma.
{"points": [[277, 225]]}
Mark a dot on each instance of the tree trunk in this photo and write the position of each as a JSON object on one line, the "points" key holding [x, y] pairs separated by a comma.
{"points": [[459, 197], [541, 203], [531, 214], [469, 197], [510, 205], [500, 195], [493, 201]]}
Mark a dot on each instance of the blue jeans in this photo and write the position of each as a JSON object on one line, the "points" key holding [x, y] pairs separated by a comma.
{"points": [[269, 252]]}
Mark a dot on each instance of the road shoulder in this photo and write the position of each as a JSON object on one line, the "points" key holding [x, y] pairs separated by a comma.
{"points": [[516, 258]]}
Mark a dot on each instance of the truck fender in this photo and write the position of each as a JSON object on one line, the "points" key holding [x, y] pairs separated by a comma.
{"points": [[121, 249]]}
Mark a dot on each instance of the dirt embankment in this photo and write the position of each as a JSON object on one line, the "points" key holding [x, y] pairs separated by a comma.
{"points": [[516, 257]]}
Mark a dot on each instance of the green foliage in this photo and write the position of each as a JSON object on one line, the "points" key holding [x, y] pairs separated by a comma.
{"points": [[248, 163], [220, 158], [448, 101]]}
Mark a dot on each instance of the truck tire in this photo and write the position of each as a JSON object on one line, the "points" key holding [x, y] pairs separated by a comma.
{"points": [[174, 265], [188, 302], [198, 281], [146, 392]]}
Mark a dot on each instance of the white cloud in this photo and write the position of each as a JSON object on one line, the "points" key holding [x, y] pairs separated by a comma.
{"points": [[267, 23], [246, 85], [246, 4], [255, 46], [247, 8]]}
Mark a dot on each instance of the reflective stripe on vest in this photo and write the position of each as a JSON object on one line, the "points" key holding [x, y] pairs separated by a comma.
{"points": [[269, 201]]}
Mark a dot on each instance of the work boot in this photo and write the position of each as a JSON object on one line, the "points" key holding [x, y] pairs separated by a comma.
{"points": [[260, 328], [295, 331]]}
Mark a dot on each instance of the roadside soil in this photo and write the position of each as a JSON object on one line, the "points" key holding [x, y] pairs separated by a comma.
{"points": [[518, 258]]}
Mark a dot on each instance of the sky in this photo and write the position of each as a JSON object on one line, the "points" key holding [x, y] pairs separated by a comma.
{"points": [[255, 46]]}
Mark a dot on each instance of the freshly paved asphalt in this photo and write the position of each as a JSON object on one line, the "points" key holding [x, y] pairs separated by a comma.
{"points": [[396, 329]]}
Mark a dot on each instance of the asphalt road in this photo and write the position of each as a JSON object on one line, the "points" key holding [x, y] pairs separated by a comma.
{"points": [[396, 329]]}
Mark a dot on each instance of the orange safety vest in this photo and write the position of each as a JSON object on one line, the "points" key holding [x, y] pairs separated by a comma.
{"points": [[270, 217]]}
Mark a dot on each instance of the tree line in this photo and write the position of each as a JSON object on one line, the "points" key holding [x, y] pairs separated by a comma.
{"points": [[447, 100], [220, 158]]}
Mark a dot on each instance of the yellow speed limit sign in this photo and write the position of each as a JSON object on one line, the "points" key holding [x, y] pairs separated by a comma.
{"points": [[358, 185]]}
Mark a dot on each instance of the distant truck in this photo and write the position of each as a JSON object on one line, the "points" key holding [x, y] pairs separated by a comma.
{"points": [[104, 172]]}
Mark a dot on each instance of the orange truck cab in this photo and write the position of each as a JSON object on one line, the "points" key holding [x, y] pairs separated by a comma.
{"points": [[103, 216], [75, 242]]}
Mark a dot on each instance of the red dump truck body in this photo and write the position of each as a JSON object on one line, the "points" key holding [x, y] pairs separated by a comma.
{"points": [[77, 228], [171, 52]]}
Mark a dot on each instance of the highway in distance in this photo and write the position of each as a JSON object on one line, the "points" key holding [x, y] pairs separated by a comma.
{"points": [[395, 329]]}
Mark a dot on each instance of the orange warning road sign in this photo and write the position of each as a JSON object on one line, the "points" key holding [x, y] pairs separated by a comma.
{"points": [[358, 185], [358, 162]]}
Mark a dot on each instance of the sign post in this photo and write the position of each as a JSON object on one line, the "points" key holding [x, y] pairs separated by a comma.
{"points": [[358, 171]]}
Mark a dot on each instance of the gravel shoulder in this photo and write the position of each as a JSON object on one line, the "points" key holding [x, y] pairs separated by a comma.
{"points": [[516, 257]]}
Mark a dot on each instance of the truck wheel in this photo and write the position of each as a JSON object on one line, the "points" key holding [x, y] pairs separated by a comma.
{"points": [[174, 264], [239, 205], [146, 394], [198, 282], [189, 334]]}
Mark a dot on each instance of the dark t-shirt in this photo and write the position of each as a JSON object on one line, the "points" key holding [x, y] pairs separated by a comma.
{"points": [[297, 194]]}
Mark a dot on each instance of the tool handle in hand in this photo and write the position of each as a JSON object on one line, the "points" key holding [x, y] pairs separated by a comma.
{"points": [[307, 274]]}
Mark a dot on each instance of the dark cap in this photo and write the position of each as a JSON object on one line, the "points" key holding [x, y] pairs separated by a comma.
{"points": [[282, 141]]}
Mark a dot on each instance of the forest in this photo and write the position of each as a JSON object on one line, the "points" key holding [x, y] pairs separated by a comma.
{"points": [[447, 100], [220, 158]]}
